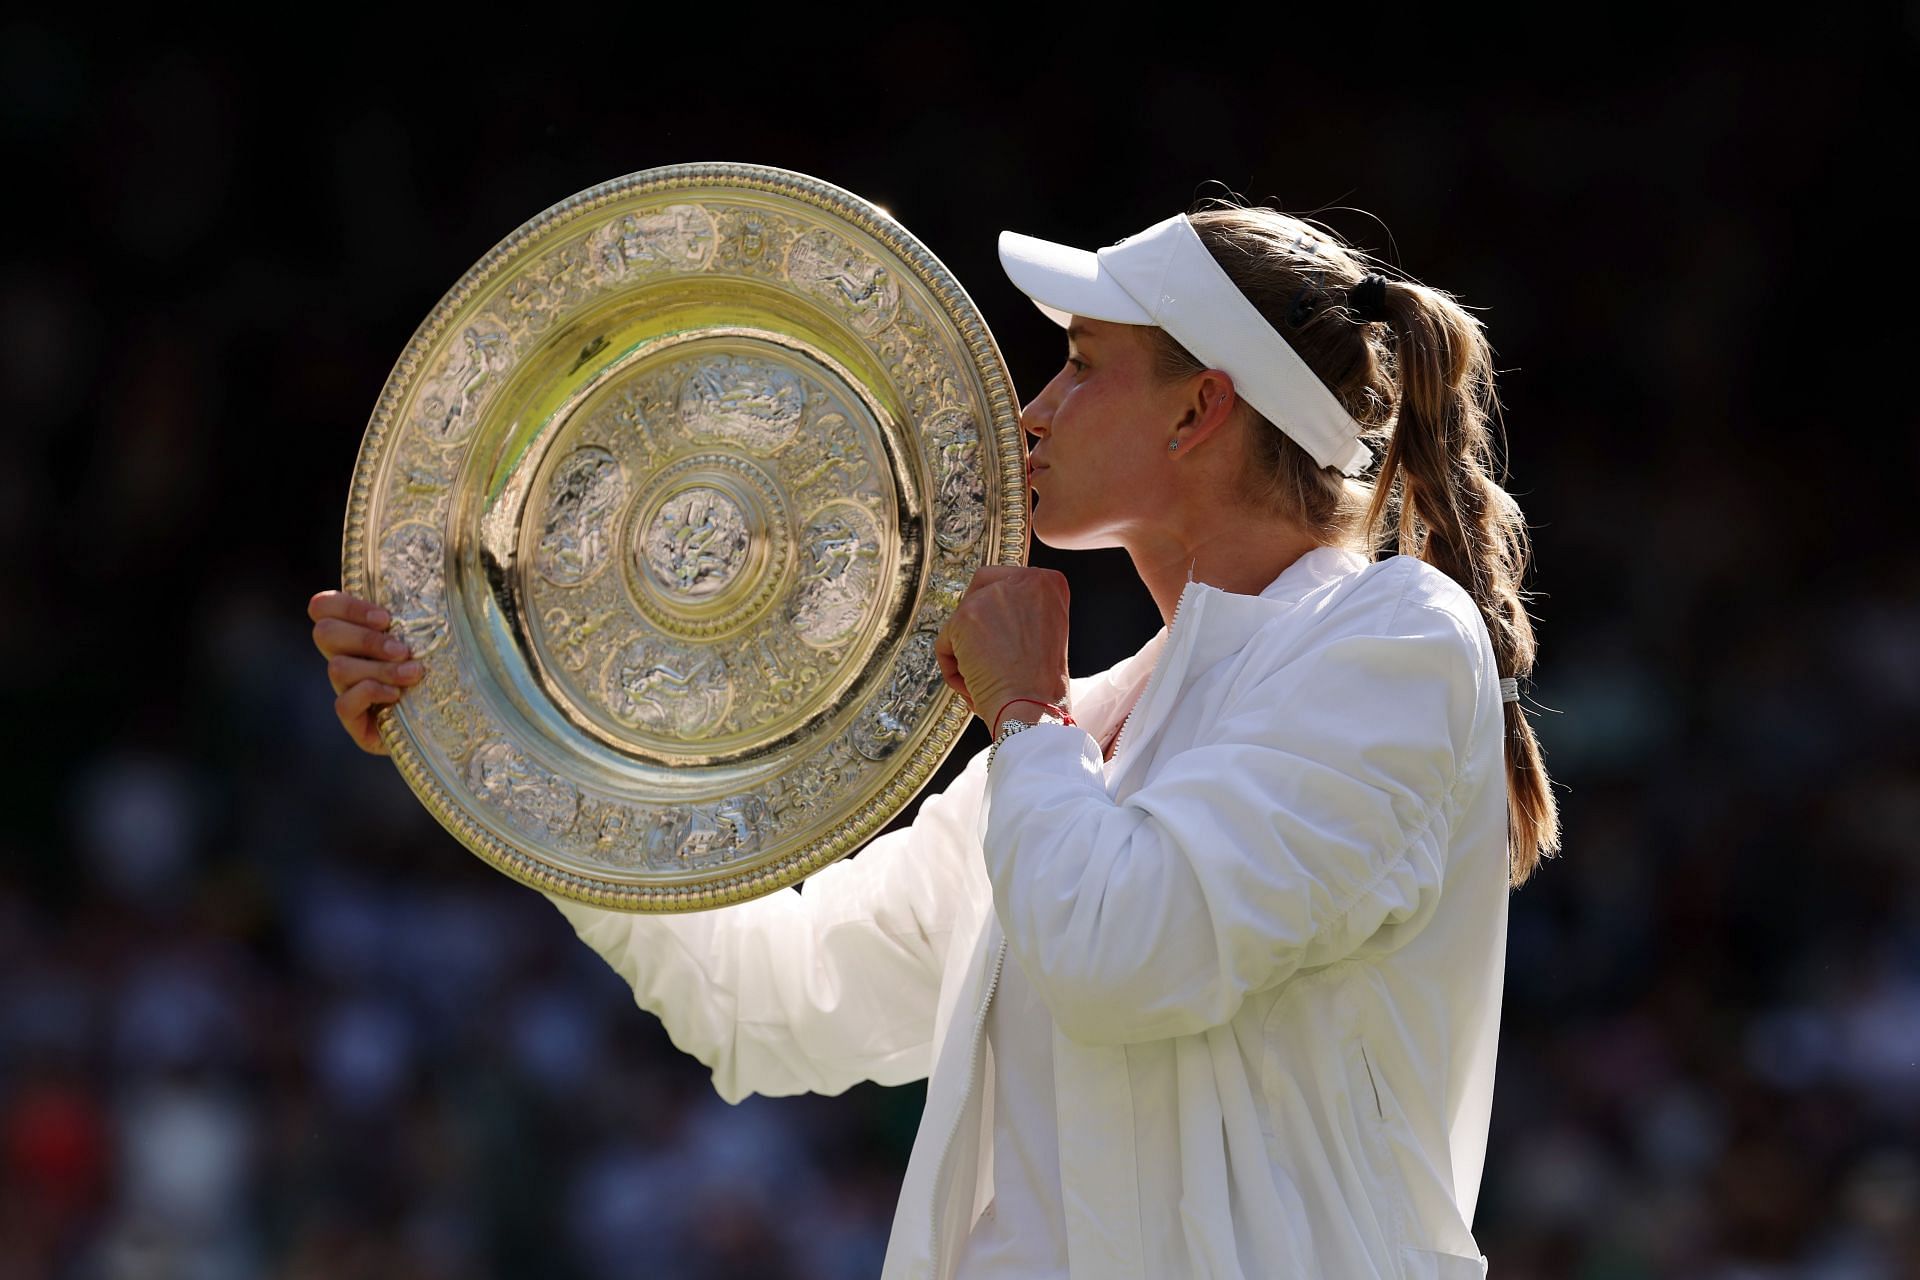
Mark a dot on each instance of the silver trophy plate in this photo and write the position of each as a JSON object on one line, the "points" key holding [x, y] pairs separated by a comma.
{"points": [[671, 495]]}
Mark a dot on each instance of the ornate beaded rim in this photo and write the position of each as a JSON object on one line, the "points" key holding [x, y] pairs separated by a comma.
{"points": [[951, 719]]}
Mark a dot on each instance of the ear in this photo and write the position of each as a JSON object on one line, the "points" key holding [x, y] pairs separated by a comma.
{"points": [[1208, 404]]}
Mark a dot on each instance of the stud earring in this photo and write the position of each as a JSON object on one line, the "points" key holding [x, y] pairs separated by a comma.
{"points": [[1172, 445]]}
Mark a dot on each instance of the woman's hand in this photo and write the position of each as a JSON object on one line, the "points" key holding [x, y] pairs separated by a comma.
{"points": [[1008, 639], [366, 665]]}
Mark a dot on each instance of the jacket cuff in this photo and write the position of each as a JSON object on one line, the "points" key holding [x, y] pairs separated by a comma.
{"points": [[1037, 764]]}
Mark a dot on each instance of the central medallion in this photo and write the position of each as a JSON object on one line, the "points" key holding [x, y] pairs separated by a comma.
{"points": [[711, 541], [715, 535], [696, 543]]}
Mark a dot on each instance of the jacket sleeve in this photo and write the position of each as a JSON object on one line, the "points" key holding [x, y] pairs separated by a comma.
{"points": [[812, 991], [1310, 814]]}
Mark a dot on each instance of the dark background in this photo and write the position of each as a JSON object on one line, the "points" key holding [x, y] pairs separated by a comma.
{"points": [[260, 1015]]}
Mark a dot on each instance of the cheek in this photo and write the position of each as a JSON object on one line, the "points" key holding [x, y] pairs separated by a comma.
{"points": [[1097, 412]]}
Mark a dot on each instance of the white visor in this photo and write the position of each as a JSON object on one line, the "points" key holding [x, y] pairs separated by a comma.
{"points": [[1165, 276]]}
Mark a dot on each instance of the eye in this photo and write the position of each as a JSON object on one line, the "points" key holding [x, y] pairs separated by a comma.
{"points": [[1077, 363]]}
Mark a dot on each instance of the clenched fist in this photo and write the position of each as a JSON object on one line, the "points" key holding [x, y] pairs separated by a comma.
{"points": [[1008, 639]]}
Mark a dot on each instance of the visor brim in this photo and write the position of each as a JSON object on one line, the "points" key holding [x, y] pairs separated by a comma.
{"points": [[1065, 282]]}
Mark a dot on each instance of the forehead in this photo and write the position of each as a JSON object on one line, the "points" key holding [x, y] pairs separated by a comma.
{"points": [[1101, 333]]}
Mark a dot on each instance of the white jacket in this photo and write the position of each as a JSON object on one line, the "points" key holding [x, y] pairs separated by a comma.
{"points": [[1271, 934]]}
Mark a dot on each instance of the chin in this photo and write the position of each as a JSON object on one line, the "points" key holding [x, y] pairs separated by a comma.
{"points": [[1046, 534]]}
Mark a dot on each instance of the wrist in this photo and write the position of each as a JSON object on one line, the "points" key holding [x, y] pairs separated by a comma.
{"points": [[1019, 714], [1030, 710]]}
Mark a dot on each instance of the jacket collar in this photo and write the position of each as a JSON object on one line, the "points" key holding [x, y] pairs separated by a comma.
{"points": [[1314, 569], [1231, 620]]}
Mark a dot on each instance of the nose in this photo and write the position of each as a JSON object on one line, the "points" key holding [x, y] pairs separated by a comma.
{"points": [[1036, 419], [1030, 422]]}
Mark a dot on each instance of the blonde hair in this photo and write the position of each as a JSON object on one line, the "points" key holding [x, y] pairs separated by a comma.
{"points": [[1421, 386]]}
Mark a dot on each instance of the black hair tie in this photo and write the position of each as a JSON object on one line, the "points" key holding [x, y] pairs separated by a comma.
{"points": [[1368, 299]]}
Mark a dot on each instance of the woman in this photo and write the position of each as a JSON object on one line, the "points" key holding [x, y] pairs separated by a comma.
{"points": [[1203, 957]]}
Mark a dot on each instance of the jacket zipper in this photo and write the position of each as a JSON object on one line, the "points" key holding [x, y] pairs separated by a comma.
{"points": [[979, 1025], [1000, 956], [1147, 692]]}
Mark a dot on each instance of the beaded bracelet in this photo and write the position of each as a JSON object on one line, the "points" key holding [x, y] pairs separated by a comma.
{"points": [[1056, 709], [999, 738]]}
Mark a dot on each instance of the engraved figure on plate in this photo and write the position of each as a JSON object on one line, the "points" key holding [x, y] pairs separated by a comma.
{"points": [[697, 542], [917, 363], [421, 473], [812, 784], [960, 496], [606, 830], [561, 273], [667, 690], [527, 795], [830, 268], [586, 488], [450, 404], [840, 462], [742, 818], [530, 305], [536, 300], [749, 402], [660, 843], [888, 723], [688, 839], [841, 576], [413, 573], [419, 487], [752, 242], [678, 237]]}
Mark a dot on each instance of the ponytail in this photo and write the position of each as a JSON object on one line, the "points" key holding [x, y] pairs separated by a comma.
{"points": [[1450, 511]]}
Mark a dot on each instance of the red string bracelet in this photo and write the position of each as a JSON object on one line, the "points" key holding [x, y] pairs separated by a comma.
{"points": [[1057, 710]]}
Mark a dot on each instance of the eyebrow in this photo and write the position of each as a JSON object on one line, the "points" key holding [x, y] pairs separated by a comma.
{"points": [[1078, 333]]}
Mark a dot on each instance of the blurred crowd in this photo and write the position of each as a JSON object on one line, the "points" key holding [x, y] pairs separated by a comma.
{"points": [[260, 1015]]}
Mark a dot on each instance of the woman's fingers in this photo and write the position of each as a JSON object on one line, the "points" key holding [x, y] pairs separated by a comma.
{"points": [[357, 708], [332, 636], [367, 667], [344, 671], [344, 624], [348, 624], [950, 666], [347, 608]]}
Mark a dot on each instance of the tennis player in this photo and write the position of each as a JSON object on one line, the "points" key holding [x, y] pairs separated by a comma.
{"points": [[1202, 959]]}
